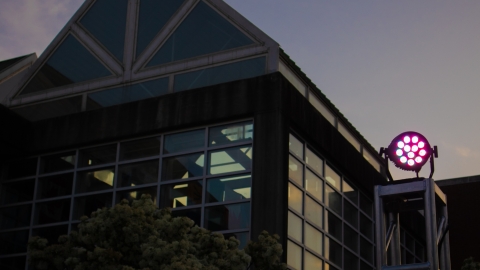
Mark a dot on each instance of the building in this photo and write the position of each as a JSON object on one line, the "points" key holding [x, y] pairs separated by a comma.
{"points": [[189, 102]]}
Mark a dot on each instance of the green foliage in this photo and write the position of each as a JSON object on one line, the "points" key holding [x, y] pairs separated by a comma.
{"points": [[469, 264], [141, 236]]}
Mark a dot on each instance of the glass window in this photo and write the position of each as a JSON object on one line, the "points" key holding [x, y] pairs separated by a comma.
{"points": [[350, 138], [51, 233], [350, 262], [15, 217], [52, 211], [227, 217], [350, 192], [333, 226], [136, 194], [107, 23], [321, 108], [333, 251], [350, 214], [366, 205], [55, 186], [101, 179], [333, 200], [292, 78], [238, 132], [366, 250], [181, 194], [369, 157], [314, 162], [97, 155], [314, 185], [294, 255], [137, 174], [295, 170], [313, 212], [12, 263], [58, 162], [332, 177], [243, 237], [220, 74], [183, 167], [50, 109], [70, 63], [230, 160], [295, 146], [313, 239], [13, 242], [295, 226], [184, 141], [204, 31], [152, 17], [312, 262], [193, 214], [295, 198], [231, 188], [16, 192], [140, 148], [21, 168], [84, 206], [128, 93], [351, 238]]}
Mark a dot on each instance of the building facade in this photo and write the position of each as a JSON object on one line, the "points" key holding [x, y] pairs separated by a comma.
{"points": [[191, 103]]}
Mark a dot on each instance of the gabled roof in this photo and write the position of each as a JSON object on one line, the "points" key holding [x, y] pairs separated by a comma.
{"points": [[11, 72]]}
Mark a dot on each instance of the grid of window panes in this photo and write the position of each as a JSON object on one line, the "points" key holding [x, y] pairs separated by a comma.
{"points": [[204, 174], [330, 221], [412, 251]]}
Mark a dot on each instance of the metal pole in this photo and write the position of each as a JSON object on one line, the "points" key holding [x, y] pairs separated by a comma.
{"points": [[379, 230], [445, 245], [431, 223]]}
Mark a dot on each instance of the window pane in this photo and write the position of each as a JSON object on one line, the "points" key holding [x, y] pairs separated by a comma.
{"points": [[350, 262], [55, 186], [183, 167], [204, 31], [321, 108], [220, 74], [366, 205], [138, 173], [350, 192], [84, 206], [227, 217], [136, 194], [140, 148], [333, 226], [181, 194], [312, 262], [332, 177], [364, 266], [22, 168], [366, 250], [97, 180], [333, 251], [350, 214], [97, 156], [13, 242], [51, 233], [184, 141], [294, 255], [295, 198], [295, 146], [314, 185], [314, 162], [314, 239], [237, 132], [295, 170], [230, 160], [350, 138], [15, 217], [58, 162], [16, 192], [314, 212], [366, 227], [243, 237], [13, 263], [292, 78], [52, 212], [351, 238], [333, 200], [193, 214], [295, 226], [229, 188]]}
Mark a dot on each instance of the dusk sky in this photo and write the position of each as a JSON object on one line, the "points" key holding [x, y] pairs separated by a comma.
{"points": [[388, 66]]}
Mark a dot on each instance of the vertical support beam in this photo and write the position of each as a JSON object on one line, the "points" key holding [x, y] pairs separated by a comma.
{"points": [[395, 243], [445, 246], [379, 230], [431, 223]]}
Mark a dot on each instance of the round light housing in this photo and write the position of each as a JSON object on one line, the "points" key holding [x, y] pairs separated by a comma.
{"points": [[409, 151]]}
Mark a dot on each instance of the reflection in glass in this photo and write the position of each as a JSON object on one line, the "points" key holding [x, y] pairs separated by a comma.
{"points": [[51, 233], [181, 194], [227, 217], [55, 186], [97, 156], [22, 168], [295, 170], [314, 185], [237, 132], [15, 217], [204, 31], [184, 141], [84, 206], [243, 237], [183, 167], [313, 239], [52, 211], [350, 214], [16, 192], [13, 242], [314, 212], [230, 188], [366, 250], [333, 251], [295, 226], [351, 238], [333, 200], [350, 192], [136, 194], [295, 198], [140, 148], [138, 173], [194, 214], [294, 255], [101, 179], [312, 262], [332, 177], [333, 226], [295, 146], [230, 160], [366, 227], [58, 162], [220, 74], [314, 162], [351, 261]]}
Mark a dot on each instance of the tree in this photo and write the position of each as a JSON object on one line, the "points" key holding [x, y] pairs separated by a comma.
{"points": [[141, 236], [469, 264]]}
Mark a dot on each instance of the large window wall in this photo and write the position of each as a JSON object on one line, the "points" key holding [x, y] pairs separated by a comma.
{"points": [[330, 220], [204, 174]]}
